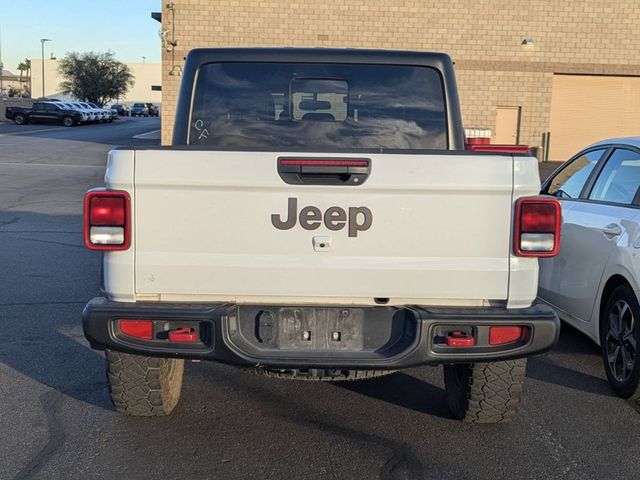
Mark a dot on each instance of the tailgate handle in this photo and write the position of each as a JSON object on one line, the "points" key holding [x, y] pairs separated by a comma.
{"points": [[324, 171]]}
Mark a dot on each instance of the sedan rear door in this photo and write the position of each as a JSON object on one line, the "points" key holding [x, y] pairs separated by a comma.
{"points": [[594, 225]]}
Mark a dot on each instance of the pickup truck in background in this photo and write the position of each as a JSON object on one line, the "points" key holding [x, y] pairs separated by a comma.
{"points": [[44, 112], [318, 217]]}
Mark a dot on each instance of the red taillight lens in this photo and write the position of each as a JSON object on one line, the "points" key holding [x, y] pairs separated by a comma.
{"points": [[537, 227], [538, 218], [323, 162], [502, 335], [492, 147], [142, 329], [107, 211], [106, 220]]}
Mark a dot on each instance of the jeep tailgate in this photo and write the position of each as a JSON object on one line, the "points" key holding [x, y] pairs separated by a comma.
{"points": [[440, 229]]}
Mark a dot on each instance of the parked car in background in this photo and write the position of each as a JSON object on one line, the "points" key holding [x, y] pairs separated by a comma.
{"points": [[44, 112], [92, 115], [122, 109], [594, 282], [69, 106], [114, 111], [153, 110], [106, 112], [139, 110], [99, 114]]}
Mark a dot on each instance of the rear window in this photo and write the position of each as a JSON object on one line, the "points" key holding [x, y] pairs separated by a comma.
{"points": [[318, 107]]}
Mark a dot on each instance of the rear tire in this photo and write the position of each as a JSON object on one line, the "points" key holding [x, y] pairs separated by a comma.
{"points": [[619, 338], [144, 386], [485, 392], [19, 119]]}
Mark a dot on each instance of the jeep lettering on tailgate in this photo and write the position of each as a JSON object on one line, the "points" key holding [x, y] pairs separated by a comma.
{"points": [[359, 219]]}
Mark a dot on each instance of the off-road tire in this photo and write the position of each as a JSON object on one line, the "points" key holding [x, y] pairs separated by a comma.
{"points": [[19, 119], [321, 374], [629, 387], [485, 392], [144, 386], [68, 121]]}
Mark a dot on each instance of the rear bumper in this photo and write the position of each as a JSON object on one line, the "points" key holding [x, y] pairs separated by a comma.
{"points": [[369, 337]]}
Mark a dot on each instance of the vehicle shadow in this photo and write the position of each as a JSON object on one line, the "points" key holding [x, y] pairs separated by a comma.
{"points": [[46, 278], [404, 390], [577, 347], [411, 392]]}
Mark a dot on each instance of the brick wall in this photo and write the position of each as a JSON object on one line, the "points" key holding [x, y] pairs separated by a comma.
{"points": [[483, 37]]}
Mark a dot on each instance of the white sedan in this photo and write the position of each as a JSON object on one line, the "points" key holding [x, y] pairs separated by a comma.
{"points": [[594, 282]]}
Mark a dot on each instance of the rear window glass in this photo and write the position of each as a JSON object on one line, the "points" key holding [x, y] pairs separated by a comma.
{"points": [[318, 106]]}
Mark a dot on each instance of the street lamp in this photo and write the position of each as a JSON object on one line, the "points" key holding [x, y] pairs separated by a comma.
{"points": [[1, 66], [42, 40]]}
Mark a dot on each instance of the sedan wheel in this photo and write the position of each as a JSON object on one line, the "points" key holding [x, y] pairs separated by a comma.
{"points": [[619, 335]]}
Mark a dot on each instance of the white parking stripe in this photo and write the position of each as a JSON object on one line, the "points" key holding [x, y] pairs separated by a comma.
{"points": [[33, 131], [14, 164], [154, 135]]}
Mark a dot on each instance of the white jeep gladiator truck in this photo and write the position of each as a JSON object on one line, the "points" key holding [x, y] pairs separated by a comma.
{"points": [[318, 217]]}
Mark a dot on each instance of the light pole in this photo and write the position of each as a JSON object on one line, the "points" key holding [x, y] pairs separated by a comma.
{"points": [[42, 40], [1, 66]]}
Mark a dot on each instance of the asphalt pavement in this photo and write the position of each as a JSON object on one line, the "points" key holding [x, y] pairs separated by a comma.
{"points": [[56, 419]]}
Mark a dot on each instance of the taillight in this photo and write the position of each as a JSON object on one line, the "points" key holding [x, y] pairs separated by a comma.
{"points": [[537, 227], [106, 220], [323, 162], [497, 148]]}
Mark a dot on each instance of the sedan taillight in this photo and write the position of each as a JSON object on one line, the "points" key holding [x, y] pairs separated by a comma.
{"points": [[107, 220], [537, 227]]}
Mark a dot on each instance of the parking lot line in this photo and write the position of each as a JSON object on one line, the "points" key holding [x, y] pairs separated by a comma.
{"points": [[153, 135], [49, 165], [33, 131]]}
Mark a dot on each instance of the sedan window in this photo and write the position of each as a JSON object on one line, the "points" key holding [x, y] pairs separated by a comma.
{"points": [[620, 178], [569, 182]]}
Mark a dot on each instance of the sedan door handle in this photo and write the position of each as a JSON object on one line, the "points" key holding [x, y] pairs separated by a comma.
{"points": [[612, 230]]}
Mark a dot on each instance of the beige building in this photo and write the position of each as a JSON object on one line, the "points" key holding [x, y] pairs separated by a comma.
{"points": [[526, 68], [147, 76]]}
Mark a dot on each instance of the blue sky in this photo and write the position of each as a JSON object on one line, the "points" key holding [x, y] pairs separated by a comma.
{"points": [[125, 27]]}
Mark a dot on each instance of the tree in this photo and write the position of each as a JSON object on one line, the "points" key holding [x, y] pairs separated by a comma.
{"points": [[94, 77], [22, 67]]}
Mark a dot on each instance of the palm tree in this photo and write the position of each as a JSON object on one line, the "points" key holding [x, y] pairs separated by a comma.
{"points": [[21, 68], [27, 64]]}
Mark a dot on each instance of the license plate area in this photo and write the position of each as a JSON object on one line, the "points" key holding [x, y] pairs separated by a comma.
{"points": [[320, 331]]}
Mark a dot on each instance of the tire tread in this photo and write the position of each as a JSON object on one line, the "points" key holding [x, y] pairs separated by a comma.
{"points": [[140, 385], [491, 392]]}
